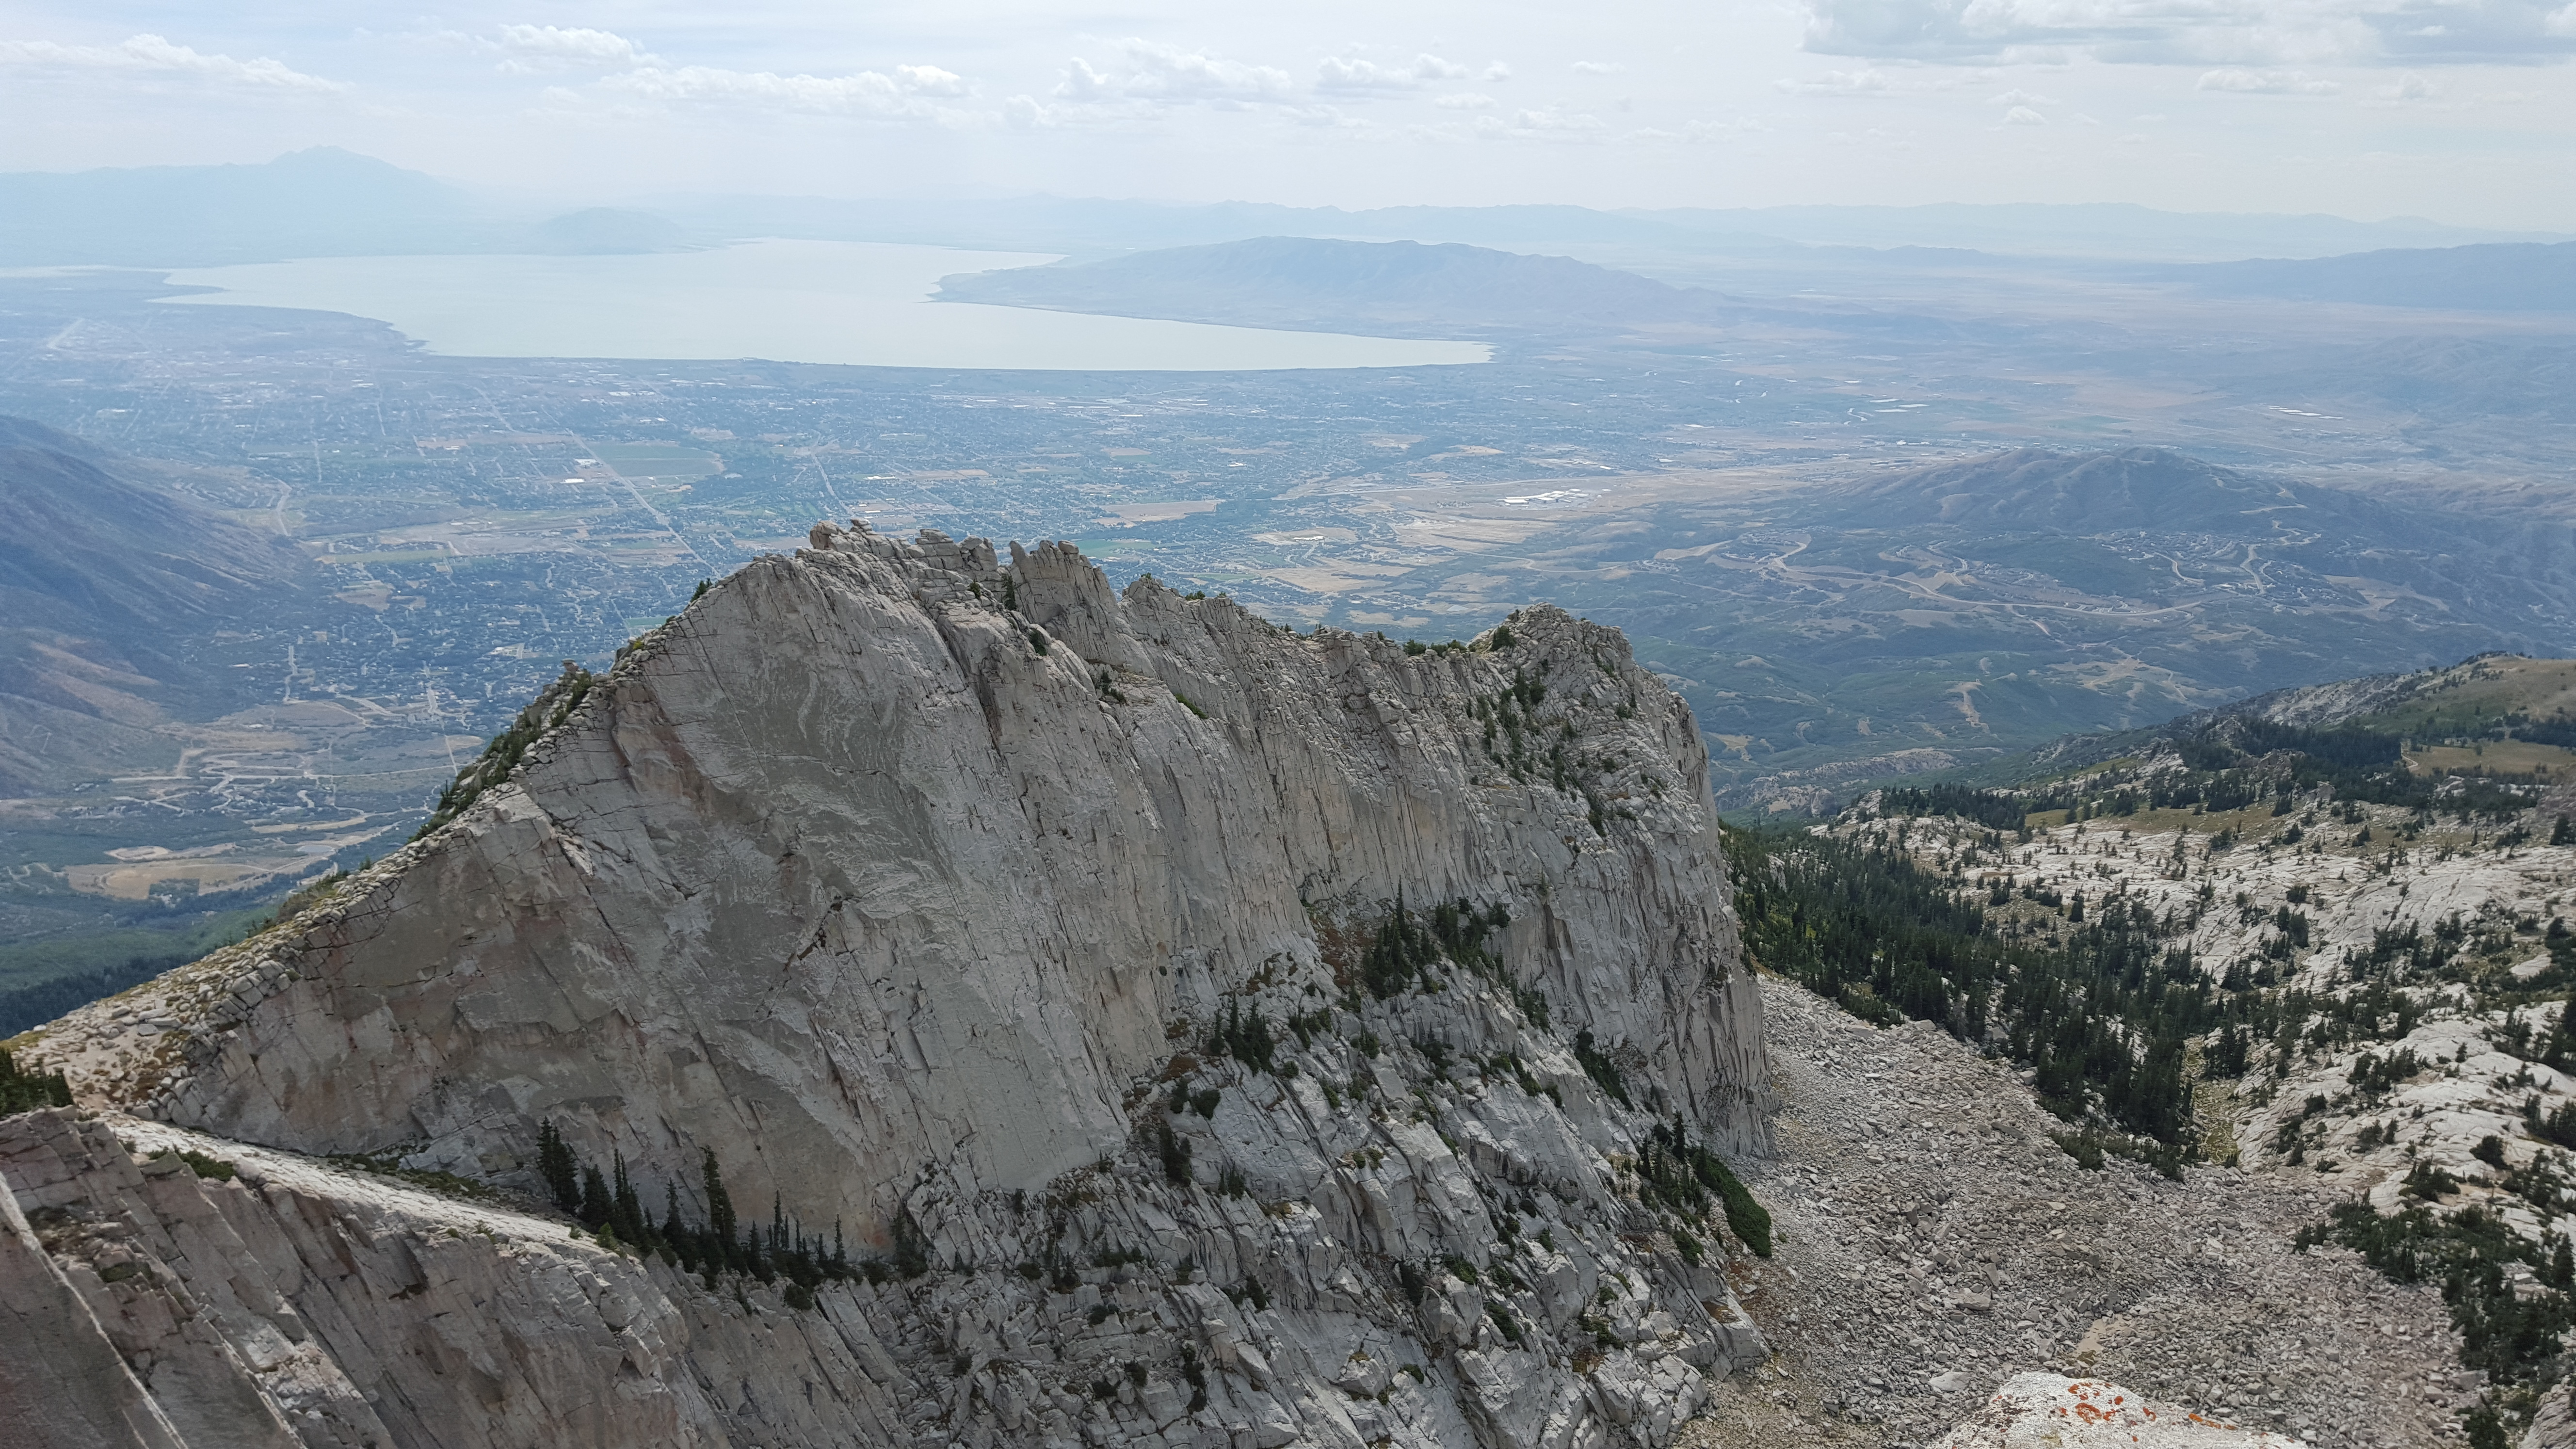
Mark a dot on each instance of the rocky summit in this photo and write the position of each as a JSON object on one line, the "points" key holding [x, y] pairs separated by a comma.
{"points": [[921, 998]]}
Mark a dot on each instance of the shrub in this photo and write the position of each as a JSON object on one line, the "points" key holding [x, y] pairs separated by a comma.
{"points": [[2426, 1181], [212, 1168], [2375, 1076], [2084, 1147], [1412, 1281], [1247, 1039], [1175, 1154], [1598, 1066]]}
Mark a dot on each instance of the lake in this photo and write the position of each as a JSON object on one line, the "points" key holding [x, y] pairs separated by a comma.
{"points": [[854, 303]]}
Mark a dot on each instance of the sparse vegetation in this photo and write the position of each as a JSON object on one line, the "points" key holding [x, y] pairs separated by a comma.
{"points": [[213, 1169], [1604, 1072], [2510, 1335], [1678, 1176], [502, 755], [27, 1091]]}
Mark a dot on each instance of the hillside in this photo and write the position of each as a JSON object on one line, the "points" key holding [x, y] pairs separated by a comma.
{"points": [[2349, 905], [1936, 618], [2429, 721], [1310, 283], [110, 587]]}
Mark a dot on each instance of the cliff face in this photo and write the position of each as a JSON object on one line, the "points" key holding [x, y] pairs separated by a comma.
{"points": [[907, 883]]}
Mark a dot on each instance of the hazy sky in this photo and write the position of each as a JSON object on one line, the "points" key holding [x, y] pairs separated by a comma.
{"points": [[2459, 110]]}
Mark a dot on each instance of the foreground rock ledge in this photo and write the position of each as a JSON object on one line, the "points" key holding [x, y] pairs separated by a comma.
{"points": [[910, 883], [2044, 1411]]}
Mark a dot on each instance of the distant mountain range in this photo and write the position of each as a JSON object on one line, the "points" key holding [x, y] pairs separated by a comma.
{"points": [[2509, 277], [1958, 613], [326, 202], [320, 202], [1339, 284], [1345, 285], [110, 588]]}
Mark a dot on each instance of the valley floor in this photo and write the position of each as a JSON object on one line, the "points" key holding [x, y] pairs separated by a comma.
{"points": [[1934, 1240]]}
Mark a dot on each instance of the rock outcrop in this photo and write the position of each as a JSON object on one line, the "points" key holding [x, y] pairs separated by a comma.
{"points": [[2047, 1411], [1236, 1037]]}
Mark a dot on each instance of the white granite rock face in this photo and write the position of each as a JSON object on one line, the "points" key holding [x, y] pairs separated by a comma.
{"points": [[911, 884]]}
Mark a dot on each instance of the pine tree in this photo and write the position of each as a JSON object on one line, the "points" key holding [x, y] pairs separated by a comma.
{"points": [[596, 1203], [2227, 1057], [720, 1220], [626, 1210], [2558, 1049], [559, 1168]]}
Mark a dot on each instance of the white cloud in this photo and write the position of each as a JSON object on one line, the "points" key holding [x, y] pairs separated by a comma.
{"points": [[2024, 116], [2019, 97], [152, 55], [1596, 67], [1466, 101], [907, 92], [930, 80], [1152, 72], [2230, 32], [1333, 74], [2410, 87], [2266, 82], [573, 45], [1501, 72]]}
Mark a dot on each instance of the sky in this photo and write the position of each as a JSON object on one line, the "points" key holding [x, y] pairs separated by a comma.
{"points": [[2461, 111]]}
